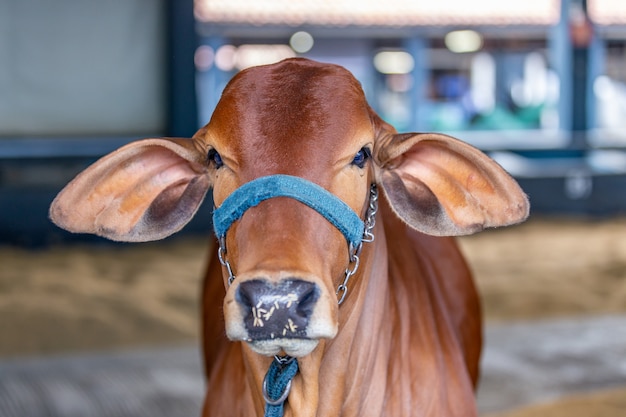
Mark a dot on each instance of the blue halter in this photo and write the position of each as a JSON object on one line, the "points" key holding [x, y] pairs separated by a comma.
{"points": [[254, 192], [277, 382]]}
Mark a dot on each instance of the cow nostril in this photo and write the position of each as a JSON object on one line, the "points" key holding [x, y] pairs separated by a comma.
{"points": [[249, 293], [244, 298], [307, 302]]}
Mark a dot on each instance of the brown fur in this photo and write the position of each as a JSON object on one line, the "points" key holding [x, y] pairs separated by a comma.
{"points": [[408, 336], [410, 344]]}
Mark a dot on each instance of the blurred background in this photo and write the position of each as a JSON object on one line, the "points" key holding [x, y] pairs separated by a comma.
{"points": [[90, 328]]}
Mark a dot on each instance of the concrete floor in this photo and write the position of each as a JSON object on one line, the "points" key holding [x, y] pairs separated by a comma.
{"points": [[523, 363], [532, 362], [155, 383]]}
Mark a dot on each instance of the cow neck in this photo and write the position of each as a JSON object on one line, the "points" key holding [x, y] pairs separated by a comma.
{"points": [[382, 362], [353, 361]]}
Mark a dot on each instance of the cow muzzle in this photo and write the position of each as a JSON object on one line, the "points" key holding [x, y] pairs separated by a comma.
{"points": [[274, 317], [274, 311]]}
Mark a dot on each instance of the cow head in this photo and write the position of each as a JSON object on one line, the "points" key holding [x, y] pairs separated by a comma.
{"points": [[299, 119]]}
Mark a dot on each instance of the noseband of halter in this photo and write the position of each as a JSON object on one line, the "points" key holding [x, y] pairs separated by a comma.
{"points": [[254, 192], [355, 230]]}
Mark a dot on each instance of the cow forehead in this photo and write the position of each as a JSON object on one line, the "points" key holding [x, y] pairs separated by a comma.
{"points": [[291, 110]]}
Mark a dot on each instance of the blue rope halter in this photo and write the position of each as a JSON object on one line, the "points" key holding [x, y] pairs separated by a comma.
{"points": [[324, 202], [277, 382]]}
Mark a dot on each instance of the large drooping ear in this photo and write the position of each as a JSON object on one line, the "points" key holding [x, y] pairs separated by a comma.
{"points": [[143, 191], [444, 187]]}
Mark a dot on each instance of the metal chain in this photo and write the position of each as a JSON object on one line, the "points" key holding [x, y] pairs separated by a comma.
{"points": [[370, 220], [221, 254], [368, 236]]}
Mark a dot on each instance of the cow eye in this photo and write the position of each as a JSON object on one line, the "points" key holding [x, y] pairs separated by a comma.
{"points": [[361, 157], [214, 158]]}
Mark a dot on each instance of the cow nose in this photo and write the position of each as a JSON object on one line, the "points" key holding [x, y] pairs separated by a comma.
{"points": [[280, 310]]}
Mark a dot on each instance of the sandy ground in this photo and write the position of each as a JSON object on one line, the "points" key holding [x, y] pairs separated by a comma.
{"points": [[77, 298], [550, 268], [85, 298], [610, 403], [545, 269]]}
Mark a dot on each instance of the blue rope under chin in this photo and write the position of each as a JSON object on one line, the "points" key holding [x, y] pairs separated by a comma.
{"points": [[277, 384]]}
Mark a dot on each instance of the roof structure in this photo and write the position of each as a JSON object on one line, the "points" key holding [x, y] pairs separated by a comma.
{"points": [[387, 13], [607, 12]]}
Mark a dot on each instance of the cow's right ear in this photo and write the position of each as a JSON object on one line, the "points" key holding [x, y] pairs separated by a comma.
{"points": [[144, 191]]}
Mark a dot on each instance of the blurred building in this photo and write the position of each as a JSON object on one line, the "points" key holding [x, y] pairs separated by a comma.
{"points": [[448, 65], [541, 84], [79, 78]]}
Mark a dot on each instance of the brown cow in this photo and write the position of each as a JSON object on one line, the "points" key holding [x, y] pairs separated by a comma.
{"points": [[406, 341]]}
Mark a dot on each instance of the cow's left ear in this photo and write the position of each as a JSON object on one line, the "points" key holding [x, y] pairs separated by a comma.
{"points": [[144, 191], [444, 187]]}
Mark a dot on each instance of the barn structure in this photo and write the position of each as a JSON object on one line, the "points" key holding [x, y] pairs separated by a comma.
{"points": [[539, 84]]}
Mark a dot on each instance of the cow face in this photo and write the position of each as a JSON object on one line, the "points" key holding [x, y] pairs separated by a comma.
{"points": [[302, 119]]}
